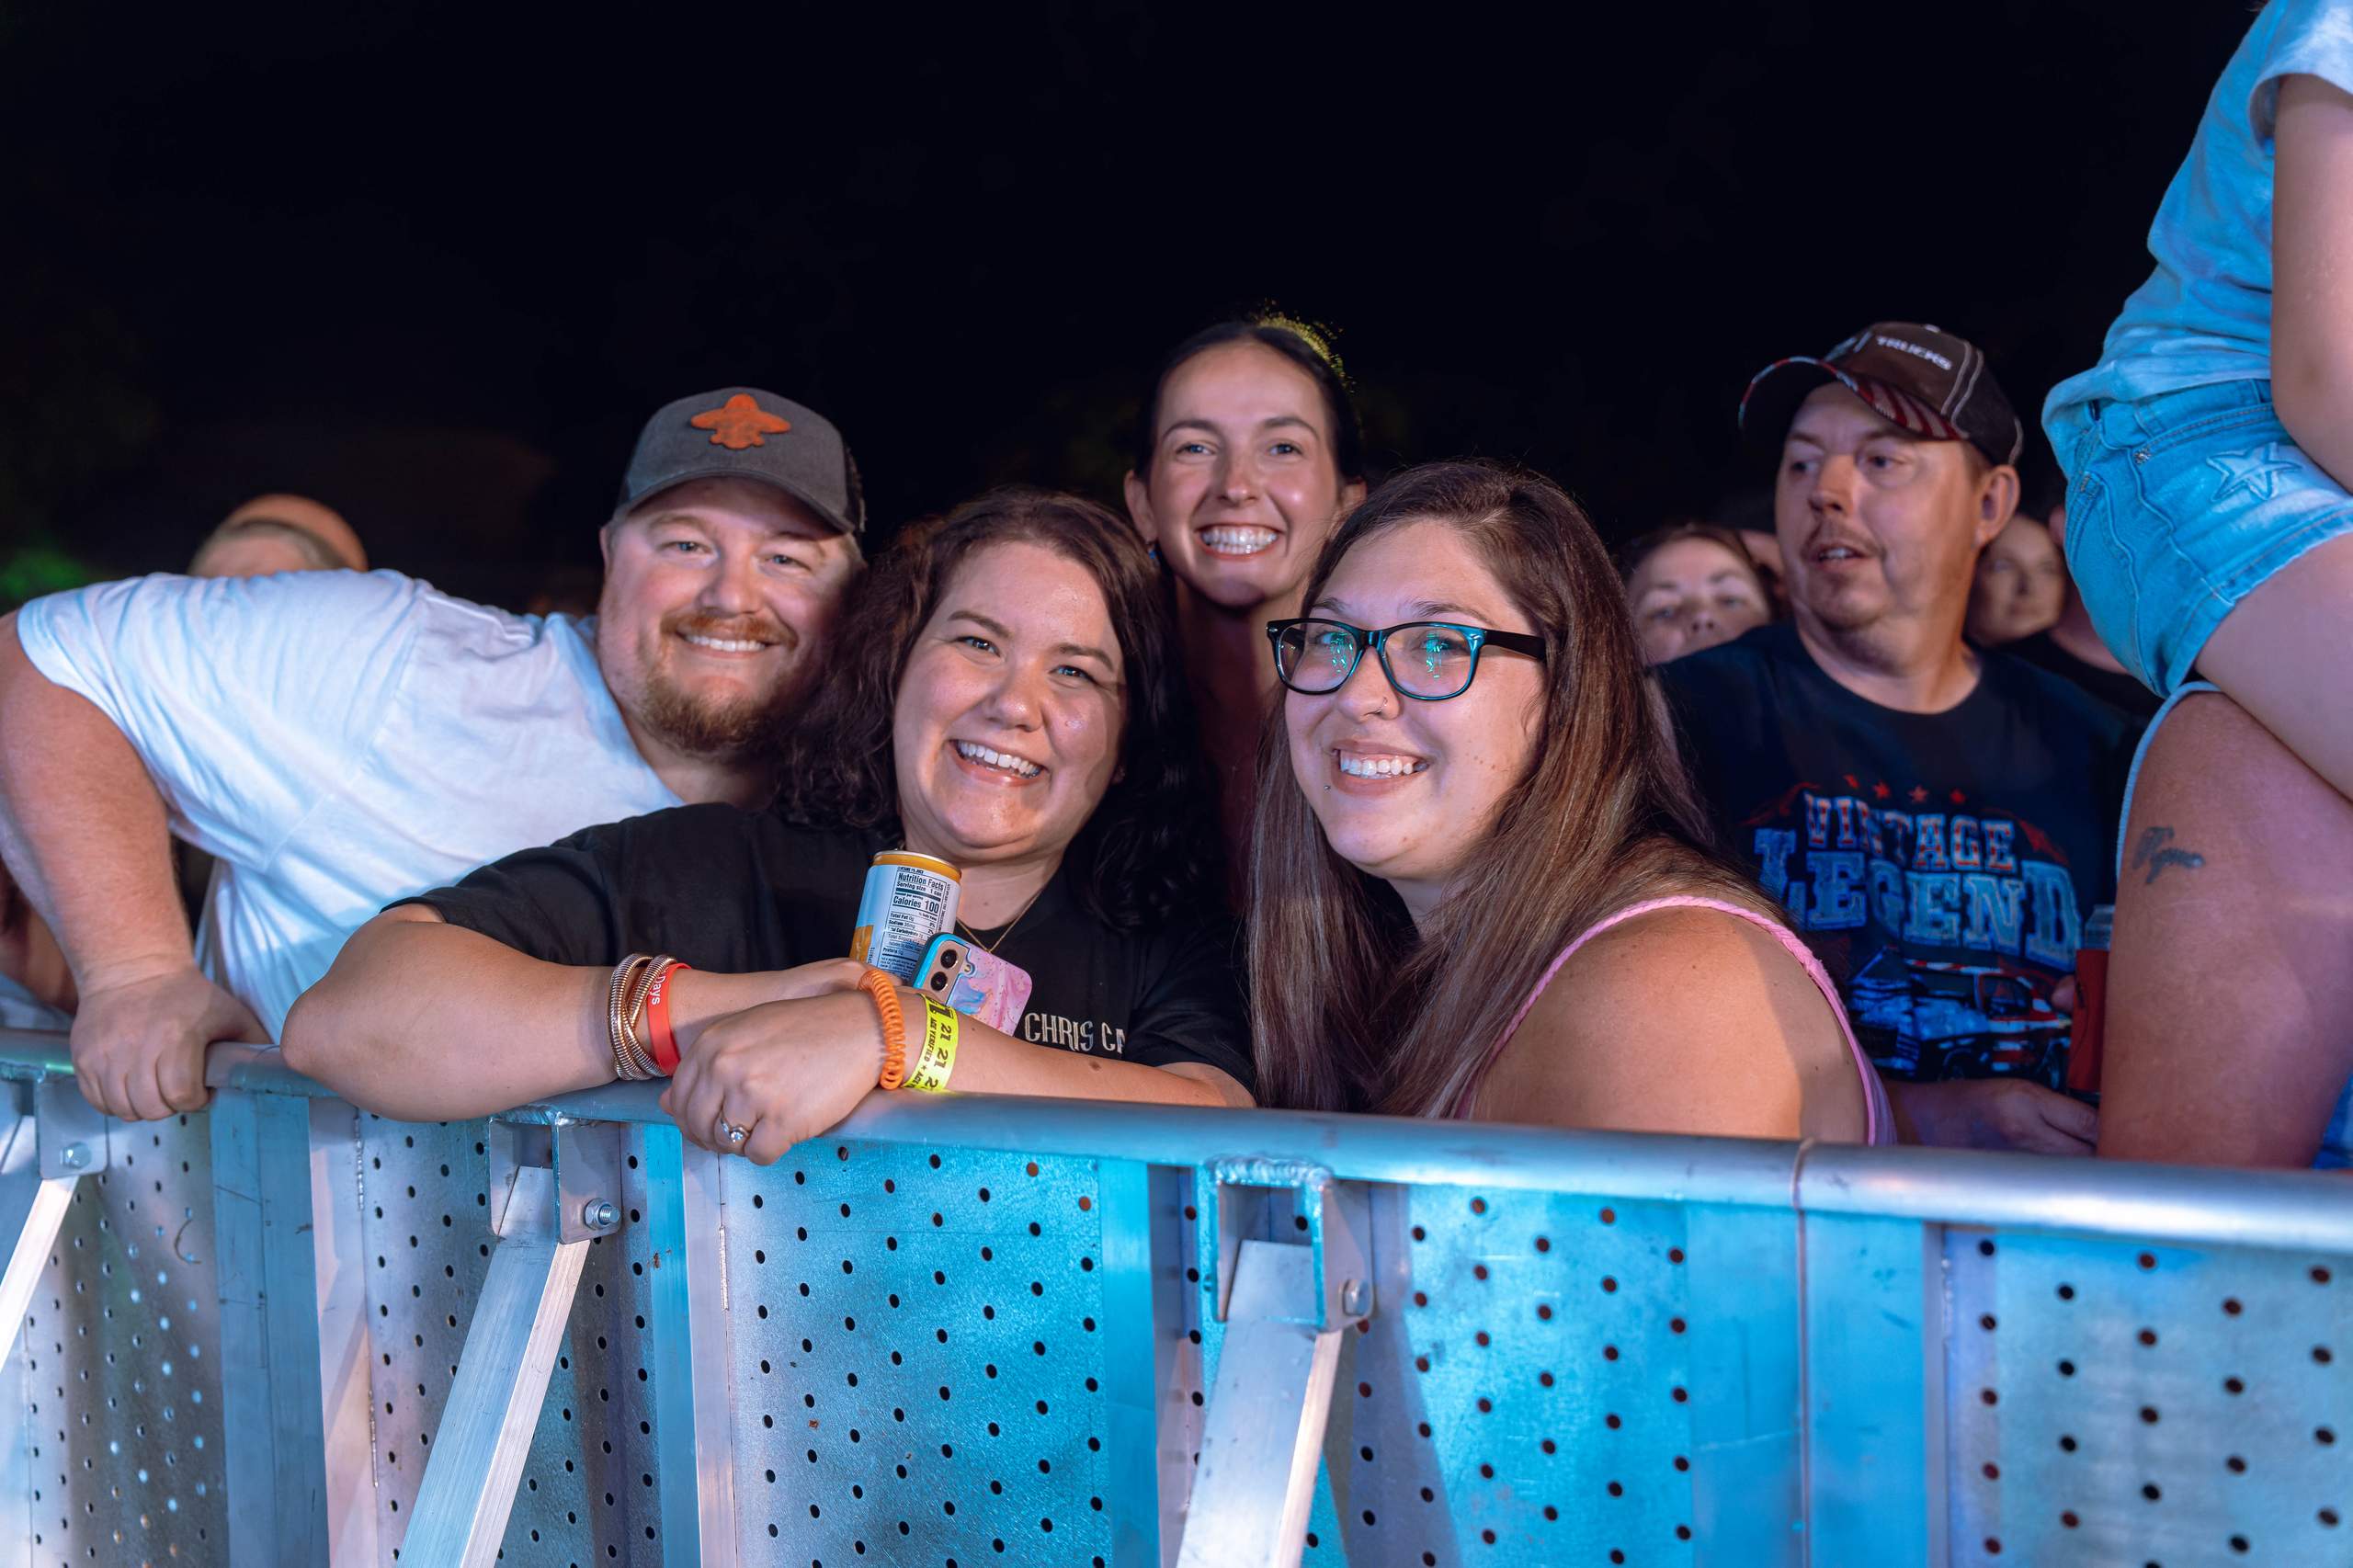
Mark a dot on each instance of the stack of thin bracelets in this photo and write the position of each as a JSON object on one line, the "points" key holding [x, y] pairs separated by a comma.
{"points": [[639, 995], [640, 988]]}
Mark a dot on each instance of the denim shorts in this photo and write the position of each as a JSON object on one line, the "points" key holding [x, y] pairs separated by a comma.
{"points": [[2178, 506]]}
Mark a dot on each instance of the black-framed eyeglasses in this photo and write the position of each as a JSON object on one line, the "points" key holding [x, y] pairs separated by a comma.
{"points": [[1427, 660]]}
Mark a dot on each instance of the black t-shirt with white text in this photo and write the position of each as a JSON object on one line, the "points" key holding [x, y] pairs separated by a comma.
{"points": [[733, 892], [1941, 864]]}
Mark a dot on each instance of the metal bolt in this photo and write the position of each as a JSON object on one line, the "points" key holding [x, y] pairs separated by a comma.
{"points": [[1356, 1298], [600, 1216], [75, 1156]]}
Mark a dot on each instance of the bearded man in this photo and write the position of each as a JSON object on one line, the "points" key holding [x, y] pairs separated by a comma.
{"points": [[338, 740]]}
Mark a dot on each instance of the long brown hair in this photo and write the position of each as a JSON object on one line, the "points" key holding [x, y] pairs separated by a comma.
{"points": [[1143, 855], [1354, 1009]]}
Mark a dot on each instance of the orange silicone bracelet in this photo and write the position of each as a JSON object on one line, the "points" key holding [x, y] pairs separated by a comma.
{"points": [[880, 985]]}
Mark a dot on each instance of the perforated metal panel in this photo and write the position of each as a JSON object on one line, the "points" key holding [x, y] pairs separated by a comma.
{"points": [[121, 1354], [1522, 1392], [587, 1492], [964, 1356], [2119, 1403], [917, 1343]]}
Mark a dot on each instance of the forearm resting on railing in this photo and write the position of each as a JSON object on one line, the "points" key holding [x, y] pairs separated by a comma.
{"points": [[428, 1022]]}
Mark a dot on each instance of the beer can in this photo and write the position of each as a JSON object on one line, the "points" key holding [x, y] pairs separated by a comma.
{"points": [[908, 900]]}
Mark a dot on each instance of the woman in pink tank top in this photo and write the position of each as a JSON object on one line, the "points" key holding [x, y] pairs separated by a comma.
{"points": [[1478, 884]]}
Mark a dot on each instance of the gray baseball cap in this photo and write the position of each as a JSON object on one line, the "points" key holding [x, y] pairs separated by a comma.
{"points": [[745, 433]]}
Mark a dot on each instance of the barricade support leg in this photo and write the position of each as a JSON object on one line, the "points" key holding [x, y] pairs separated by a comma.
{"points": [[31, 1256], [70, 1140], [1264, 1439], [18, 1183], [1285, 1305], [555, 1186], [493, 1407]]}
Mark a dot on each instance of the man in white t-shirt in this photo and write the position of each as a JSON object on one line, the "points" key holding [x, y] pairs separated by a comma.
{"points": [[338, 740]]}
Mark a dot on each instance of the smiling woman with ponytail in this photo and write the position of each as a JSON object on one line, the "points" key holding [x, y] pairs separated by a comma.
{"points": [[1247, 453]]}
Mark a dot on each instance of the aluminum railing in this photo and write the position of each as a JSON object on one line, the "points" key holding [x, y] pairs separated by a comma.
{"points": [[974, 1331]]}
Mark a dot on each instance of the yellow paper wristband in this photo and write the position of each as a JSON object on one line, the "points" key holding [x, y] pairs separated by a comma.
{"points": [[941, 1027]]}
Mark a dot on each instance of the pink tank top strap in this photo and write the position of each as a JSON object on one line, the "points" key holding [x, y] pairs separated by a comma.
{"points": [[1879, 1121]]}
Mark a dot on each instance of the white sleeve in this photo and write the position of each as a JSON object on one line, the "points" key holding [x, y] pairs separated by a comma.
{"points": [[247, 698]]}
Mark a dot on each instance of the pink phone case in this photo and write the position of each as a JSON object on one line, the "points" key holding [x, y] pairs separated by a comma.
{"points": [[974, 982]]}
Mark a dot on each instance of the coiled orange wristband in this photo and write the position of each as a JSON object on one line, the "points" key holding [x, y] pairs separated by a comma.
{"points": [[884, 990]]}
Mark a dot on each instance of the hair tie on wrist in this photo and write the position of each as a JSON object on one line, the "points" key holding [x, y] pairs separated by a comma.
{"points": [[883, 988]]}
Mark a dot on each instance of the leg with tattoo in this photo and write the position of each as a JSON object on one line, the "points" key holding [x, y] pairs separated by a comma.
{"points": [[2229, 1024]]}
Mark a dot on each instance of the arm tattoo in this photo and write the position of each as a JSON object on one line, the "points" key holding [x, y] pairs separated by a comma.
{"points": [[2156, 852]]}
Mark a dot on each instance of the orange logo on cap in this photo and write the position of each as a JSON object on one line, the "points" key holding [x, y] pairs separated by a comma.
{"points": [[739, 423]]}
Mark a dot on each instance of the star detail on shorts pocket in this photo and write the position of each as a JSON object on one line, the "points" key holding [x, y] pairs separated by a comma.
{"points": [[2257, 472]]}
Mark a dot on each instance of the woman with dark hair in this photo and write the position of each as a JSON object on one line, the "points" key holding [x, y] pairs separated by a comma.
{"points": [[1692, 586], [1247, 453], [1004, 698], [1478, 886]]}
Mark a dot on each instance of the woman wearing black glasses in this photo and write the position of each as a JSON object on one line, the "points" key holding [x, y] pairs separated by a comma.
{"points": [[1478, 887]]}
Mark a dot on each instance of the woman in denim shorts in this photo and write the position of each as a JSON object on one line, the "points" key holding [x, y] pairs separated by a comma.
{"points": [[2209, 457], [2190, 486]]}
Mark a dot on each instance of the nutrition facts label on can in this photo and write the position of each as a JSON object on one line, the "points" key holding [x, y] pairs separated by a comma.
{"points": [[903, 907]]}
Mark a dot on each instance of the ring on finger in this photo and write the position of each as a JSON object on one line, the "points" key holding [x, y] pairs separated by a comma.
{"points": [[730, 1134]]}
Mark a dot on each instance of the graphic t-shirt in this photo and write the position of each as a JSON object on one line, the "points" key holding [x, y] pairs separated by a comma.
{"points": [[733, 892], [1942, 864]]}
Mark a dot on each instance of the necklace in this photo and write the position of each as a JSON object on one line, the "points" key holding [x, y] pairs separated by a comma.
{"points": [[991, 948]]}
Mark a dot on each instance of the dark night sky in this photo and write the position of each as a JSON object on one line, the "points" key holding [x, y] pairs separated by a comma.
{"points": [[434, 266]]}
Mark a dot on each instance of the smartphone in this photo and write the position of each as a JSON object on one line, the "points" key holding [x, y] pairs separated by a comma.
{"points": [[974, 980]]}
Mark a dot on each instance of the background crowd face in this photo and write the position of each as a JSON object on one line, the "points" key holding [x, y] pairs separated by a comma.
{"points": [[718, 596], [1690, 593], [2021, 585], [1243, 487], [275, 533], [1875, 523], [1006, 732], [1456, 759]]}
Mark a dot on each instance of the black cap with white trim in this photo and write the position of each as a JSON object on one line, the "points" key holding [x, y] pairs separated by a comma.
{"points": [[1922, 378]]}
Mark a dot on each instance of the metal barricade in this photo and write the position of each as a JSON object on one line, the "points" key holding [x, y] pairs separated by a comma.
{"points": [[972, 1331]]}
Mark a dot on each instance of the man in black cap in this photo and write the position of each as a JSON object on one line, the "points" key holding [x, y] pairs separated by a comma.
{"points": [[340, 740], [1939, 822]]}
